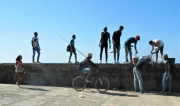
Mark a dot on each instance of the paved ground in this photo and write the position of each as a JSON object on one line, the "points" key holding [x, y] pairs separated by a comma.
{"points": [[12, 95]]}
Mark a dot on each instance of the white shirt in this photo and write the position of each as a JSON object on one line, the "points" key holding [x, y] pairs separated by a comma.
{"points": [[35, 42], [160, 42]]}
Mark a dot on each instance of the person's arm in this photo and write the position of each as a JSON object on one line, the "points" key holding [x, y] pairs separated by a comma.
{"points": [[16, 64], [152, 50], [109, 41], [135, 48], [92, 64], [113, 39], [127, 43], [100, 40], [158, 46], [32, 43], [38, 44]]}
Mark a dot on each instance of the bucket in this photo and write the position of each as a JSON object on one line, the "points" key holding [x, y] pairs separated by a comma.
{"points": [[149, 56], [135, 58]]}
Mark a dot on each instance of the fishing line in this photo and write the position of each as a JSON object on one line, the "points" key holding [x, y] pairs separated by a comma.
{"points": [[68, 43]]}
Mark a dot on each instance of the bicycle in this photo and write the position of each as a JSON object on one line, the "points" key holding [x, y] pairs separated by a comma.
{"points": [[101, 83]]}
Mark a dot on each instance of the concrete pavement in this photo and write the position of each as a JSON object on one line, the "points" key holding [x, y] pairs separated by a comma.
{"points": [[28, 95]]}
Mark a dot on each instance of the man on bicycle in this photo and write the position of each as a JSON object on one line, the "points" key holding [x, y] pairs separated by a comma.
{"points": [[85, 66]]}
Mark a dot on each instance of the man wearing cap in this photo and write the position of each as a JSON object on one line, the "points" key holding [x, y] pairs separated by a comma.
{"points": [[104, 43], [35, 47], [116, 43], [137, 74], [85, 65], [167, 77], [127, 46], [160, 46]]}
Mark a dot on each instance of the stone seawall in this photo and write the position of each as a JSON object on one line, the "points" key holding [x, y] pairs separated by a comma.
{"points": [[120, 76]]}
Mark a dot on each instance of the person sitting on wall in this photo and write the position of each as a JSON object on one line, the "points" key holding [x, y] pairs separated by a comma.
{"points": [[137, 74], [85, 65]]}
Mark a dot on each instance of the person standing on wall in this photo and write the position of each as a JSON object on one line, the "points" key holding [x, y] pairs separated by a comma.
{"points": [[127, 46], [160, 46], [137, 74], [116, 43], [73, 50], [104, 44], [19, 70], [35, 47]]}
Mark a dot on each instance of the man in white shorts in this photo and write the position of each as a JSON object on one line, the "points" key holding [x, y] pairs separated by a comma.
{"points": [[159, 45]]}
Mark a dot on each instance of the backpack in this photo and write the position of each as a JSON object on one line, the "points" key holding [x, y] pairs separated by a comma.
{"points": [[78, 68], [68, 49]]}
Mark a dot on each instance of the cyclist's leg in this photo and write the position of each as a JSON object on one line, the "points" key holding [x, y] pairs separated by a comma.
{"points": [[88, 71]]}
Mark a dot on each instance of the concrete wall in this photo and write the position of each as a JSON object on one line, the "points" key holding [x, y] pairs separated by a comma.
{"points": [[120, 76]]}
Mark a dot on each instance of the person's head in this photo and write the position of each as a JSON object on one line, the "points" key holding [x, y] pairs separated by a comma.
{"points": [[74, 36], [35, 34], [151, 43], [19, 58], [105, 29], [165, 57], [121, 28], [148, 60], [137, 37], [89, 55]]}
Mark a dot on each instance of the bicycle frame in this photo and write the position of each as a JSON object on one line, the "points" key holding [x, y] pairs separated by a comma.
{"points": [[101, 83], [96, 75]]}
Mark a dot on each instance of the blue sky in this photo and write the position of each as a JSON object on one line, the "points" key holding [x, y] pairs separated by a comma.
{"points": [[151, 19]]}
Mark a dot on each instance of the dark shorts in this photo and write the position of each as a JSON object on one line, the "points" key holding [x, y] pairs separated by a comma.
{"points": [[104, 45], [72, 51], [161, 50]]}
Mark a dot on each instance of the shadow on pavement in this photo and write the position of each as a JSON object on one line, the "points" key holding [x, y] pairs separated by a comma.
{"points": [[39, 89], [115, 94], [172, 94]]}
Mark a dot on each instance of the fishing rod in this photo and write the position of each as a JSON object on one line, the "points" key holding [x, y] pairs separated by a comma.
{"points": [[68, 43]]}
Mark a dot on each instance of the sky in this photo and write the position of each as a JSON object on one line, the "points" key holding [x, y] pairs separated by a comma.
{"points": [[150, 19]]}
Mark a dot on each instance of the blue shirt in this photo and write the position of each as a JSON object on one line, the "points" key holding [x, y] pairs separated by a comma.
{"points": [[72, 42], [131, 40]]}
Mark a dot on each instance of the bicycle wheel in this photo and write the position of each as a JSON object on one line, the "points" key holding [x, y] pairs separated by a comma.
{"points": [[102, 84], [78, 83]]}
